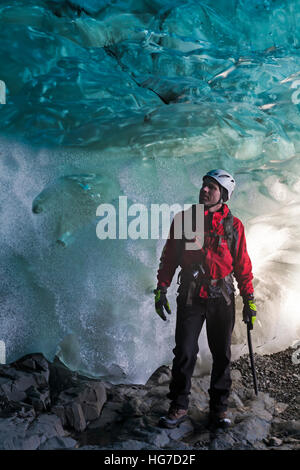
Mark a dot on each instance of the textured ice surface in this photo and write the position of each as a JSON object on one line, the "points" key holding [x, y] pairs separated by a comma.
{"points": [[139, 99]]}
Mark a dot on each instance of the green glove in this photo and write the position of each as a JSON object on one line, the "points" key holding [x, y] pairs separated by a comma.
{"points": [[161, 302], [249, 312]]}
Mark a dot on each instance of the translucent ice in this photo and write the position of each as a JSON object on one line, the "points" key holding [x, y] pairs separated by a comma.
{"points": [[139, 99]]}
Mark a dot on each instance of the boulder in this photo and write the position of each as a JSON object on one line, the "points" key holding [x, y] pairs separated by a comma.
{"points": [[80, 404]]}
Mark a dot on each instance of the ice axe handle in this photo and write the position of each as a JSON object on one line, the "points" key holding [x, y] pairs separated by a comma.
{"points": [[251, 358]]}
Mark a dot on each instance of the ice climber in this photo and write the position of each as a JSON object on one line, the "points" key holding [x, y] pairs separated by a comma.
{"points": [[206, 292]]}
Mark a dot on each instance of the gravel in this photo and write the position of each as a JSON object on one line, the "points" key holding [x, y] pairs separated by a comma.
{"points": [[278, 375]]}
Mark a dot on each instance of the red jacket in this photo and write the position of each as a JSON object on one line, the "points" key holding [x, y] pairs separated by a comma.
{"points": [[215, 258]]}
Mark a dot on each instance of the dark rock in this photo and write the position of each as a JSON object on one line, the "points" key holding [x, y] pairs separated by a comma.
{"points": [[222, 441], [45, 406], [181, 431], [46, 426], [14, 388], [13, 394], [132, 444], [91, 410], [61, 378], [75, 417], [160, 376], [13, 434], [136, 426], [111, 413], [24, 410], [26, 380], [60, 412], [35, 362], [286, 428], [251, 429], [54, 443], [29, 363], [18, 433], [40, 399], [158, 437], [177, 445], [135, 406], [274, 442], [80, 404]]}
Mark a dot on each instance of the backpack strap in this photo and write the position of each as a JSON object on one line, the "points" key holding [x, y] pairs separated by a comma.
{"points": [[230, 233]]}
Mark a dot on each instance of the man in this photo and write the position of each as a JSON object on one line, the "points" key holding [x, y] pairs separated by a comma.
{"points": [[206, 292]]}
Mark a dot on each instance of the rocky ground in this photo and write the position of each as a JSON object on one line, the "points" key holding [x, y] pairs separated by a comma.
{"points": [[278, 375], [45, 406]]}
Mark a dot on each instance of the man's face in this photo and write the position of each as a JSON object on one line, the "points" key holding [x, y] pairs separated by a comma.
{"points": [[210, 192]]}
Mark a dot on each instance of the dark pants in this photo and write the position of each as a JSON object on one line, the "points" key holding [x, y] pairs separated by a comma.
{"points": [[220, 320]]}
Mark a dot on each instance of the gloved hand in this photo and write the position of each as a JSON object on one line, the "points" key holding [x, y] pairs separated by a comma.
{"points": [[249, 311], [161, 302]]}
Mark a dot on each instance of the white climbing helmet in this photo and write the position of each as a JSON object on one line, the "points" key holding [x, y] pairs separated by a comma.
{"points": [[224, 179]]}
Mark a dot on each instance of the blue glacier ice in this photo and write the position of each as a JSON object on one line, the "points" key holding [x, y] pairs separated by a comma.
{"points": [[139, 99]]}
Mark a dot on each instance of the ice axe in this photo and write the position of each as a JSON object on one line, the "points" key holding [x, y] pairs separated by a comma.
{"points": [[249, 328]]}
